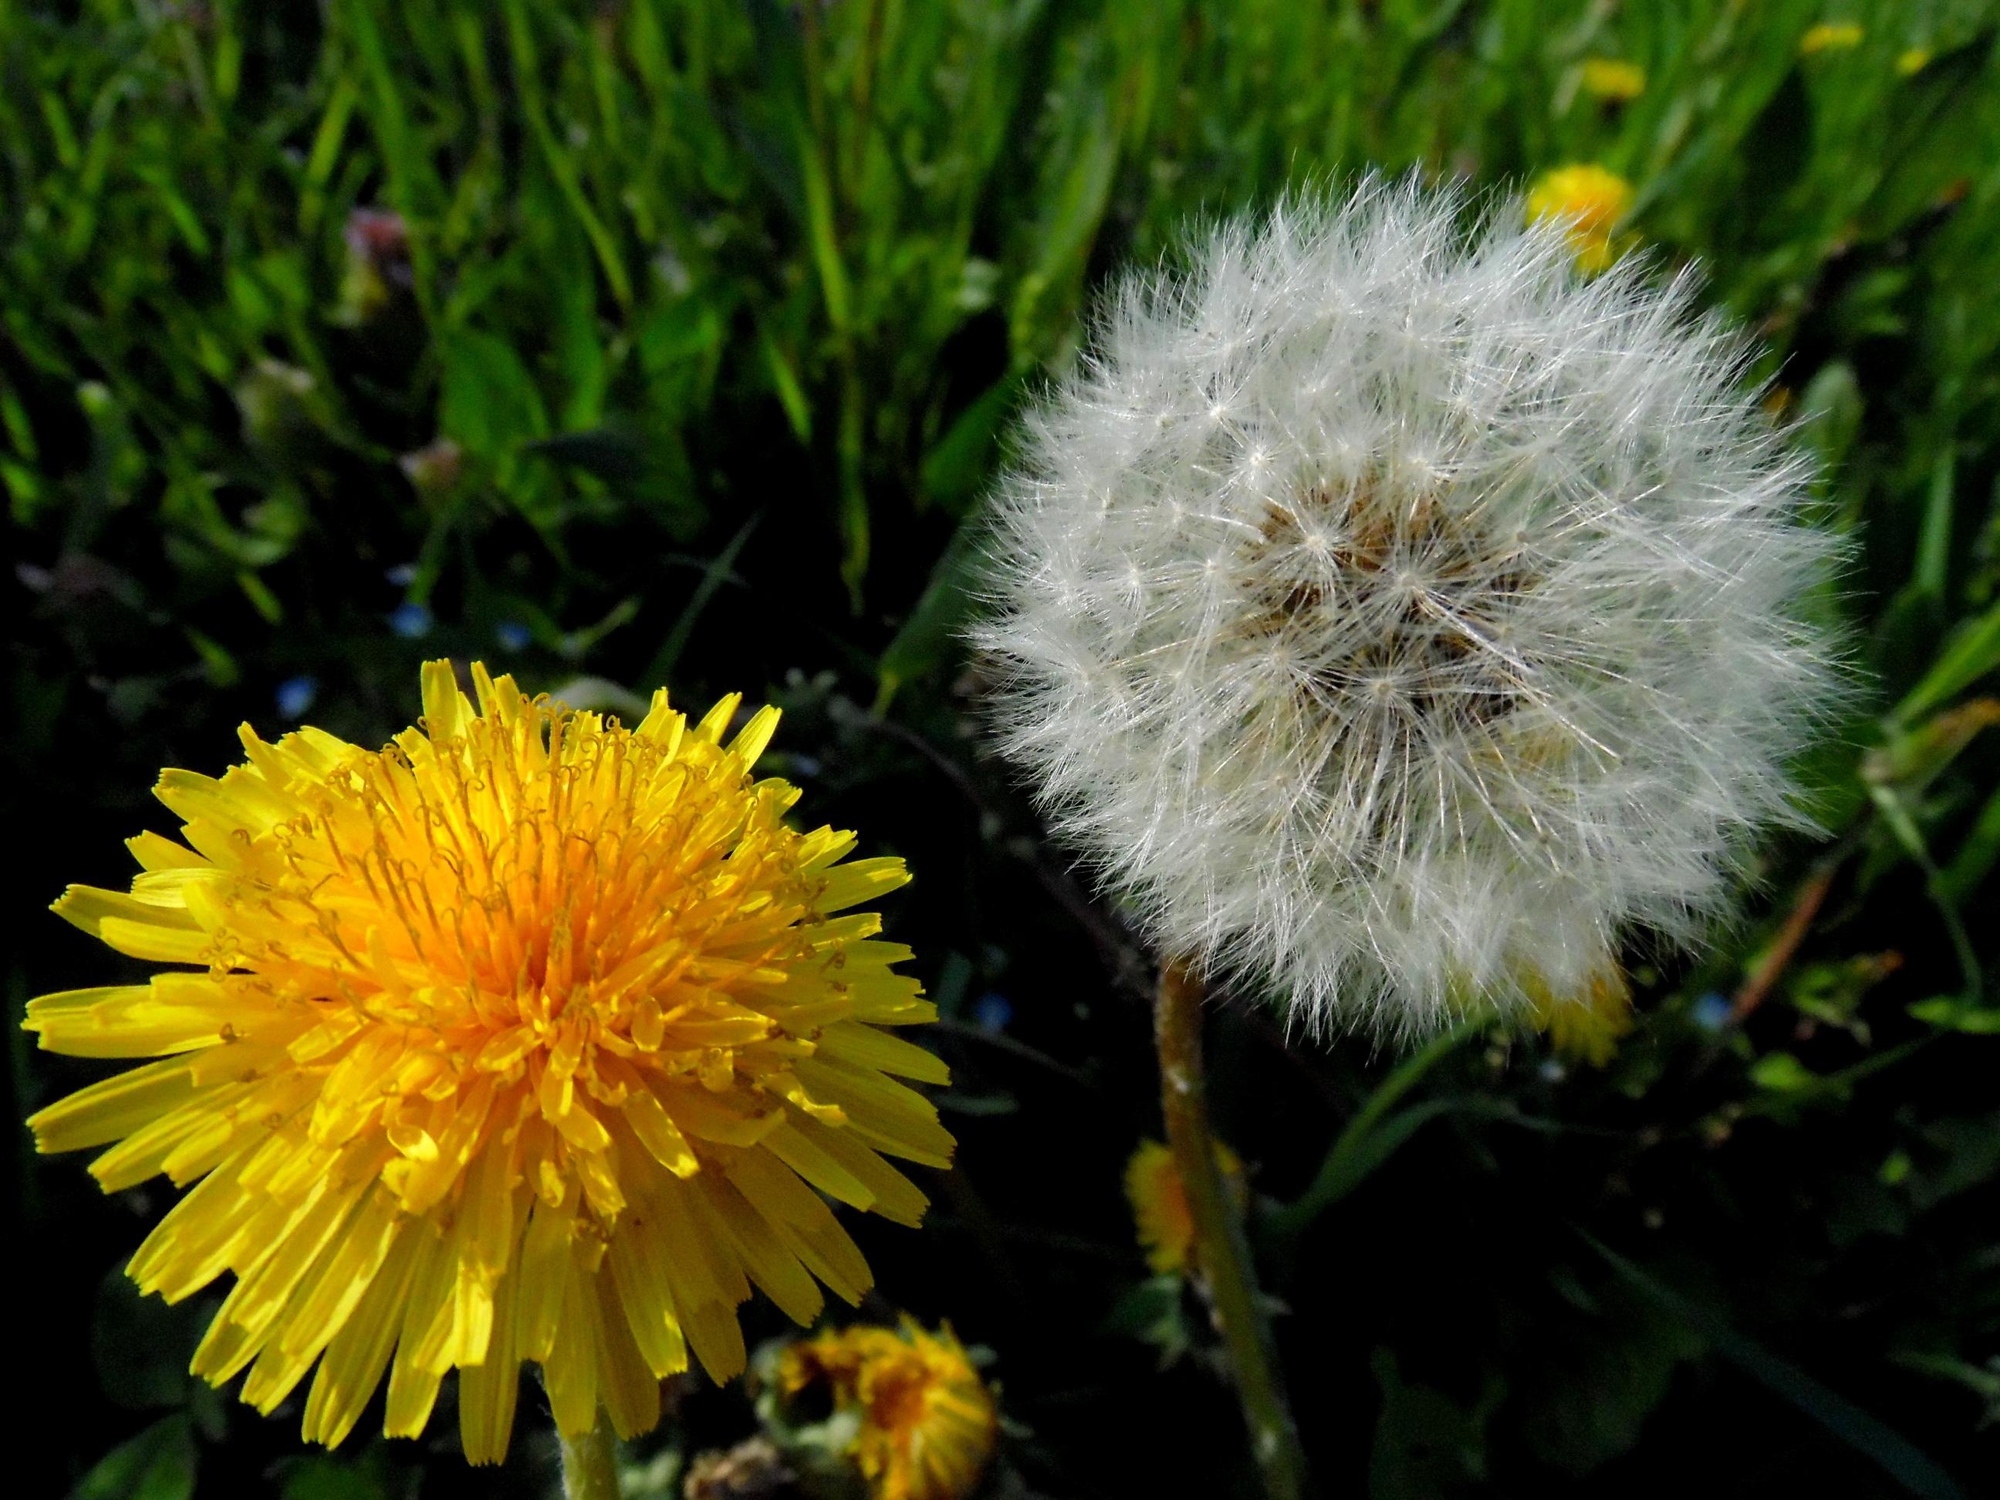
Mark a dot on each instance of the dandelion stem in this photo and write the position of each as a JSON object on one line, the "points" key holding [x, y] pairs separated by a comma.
{"points": [[1221, 1252], [590, 1463]]}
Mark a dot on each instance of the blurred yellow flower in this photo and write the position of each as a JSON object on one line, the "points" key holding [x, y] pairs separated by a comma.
{"points": [[924, 1422], [1830, 36], [1915, 60], [1160, 1207], [526, 1037], [1587, 1028], [1590, 200], [1613, 78]]}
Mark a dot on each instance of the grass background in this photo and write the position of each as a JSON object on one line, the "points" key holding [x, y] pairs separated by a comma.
{"points": [[675, 340]]}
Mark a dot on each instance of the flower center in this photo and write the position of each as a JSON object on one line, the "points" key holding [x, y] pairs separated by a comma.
{"points": [[1390, 610]]}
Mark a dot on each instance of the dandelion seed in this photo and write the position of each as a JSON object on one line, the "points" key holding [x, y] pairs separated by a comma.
{"points": [[1498, 656], [528, 1037]]}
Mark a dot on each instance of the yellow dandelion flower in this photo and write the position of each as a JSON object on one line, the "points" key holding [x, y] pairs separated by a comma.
{"points": [[1160, 1214], [1591, 201], [1587, 1028], [924, 1422], [526, 1037], [1912, 61], [1830, 36], [1613, 79]]}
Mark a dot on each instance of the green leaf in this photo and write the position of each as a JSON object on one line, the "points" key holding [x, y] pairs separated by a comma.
{"points": [[822, 233], [1975, 859], [1427, 1446], [1895, 1454], [322, 1478], [489, 403], [1783, 1073], [931, 629], [1934, 539], [1603, 1364], [1830, 412], [1972, 652], [961, 460], [158, 1464], [785, 384], [1954, 1013], [1154, 1312]]}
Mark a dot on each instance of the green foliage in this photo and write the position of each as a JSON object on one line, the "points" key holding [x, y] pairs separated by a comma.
{"points": [[679, 338]]}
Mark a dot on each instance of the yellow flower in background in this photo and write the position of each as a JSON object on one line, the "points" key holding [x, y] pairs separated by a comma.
{"points": [[1830, 36], [526, 1037], [1913, 61], [1587, 1032], [924, 1423], [1591, 201], [1159, 1203], [1613, 78]]}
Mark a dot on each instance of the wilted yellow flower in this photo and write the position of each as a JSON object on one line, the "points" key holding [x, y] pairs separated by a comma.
{"points": [[1913, 61], [1587, 1032], [526, 1037], [1591, 201], [1830, 36], [924, 1422], [1160, 1207], [1613, 78]]}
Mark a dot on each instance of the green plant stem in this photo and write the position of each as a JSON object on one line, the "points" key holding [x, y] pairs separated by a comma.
{"points": [[1349, 1159], [590, 1463], [1220, 1250]]}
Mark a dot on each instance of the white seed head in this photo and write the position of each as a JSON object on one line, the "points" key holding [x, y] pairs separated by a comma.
{"points": [[1392, 615]]}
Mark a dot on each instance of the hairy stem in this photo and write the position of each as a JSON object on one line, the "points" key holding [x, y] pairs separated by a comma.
{"points": [[1220, 1251], [590, 1463]]}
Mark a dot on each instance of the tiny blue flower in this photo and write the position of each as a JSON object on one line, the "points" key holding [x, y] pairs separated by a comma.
{"points": [[1711, 1012], [402, 575], [296, 694], [410, 620], [993, 1011], [513, 635]]}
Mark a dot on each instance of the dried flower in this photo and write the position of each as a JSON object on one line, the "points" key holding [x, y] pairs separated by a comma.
{"points": [[917, 1421], [1389, 613], [527, 1037], [753, 1470]]}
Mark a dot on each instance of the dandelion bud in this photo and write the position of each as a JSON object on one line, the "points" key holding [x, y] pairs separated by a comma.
{"points": [[1391, 613]]}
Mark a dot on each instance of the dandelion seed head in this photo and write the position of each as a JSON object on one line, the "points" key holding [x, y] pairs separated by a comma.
{"points": [[1467, 642]]}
